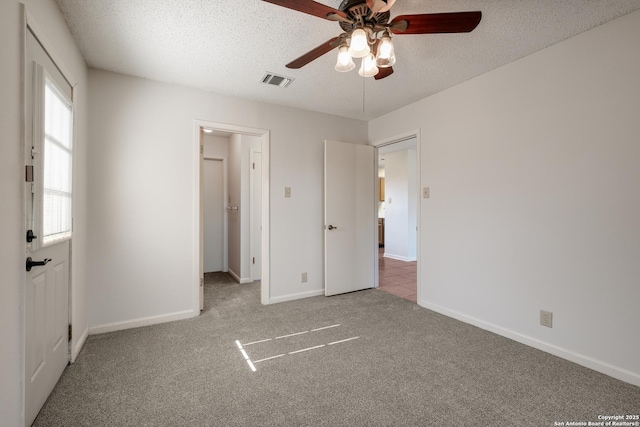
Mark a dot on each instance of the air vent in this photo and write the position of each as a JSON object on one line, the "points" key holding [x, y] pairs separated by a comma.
{"points": [[276, 80]]}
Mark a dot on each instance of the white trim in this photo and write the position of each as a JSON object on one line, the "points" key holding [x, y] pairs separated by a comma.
{"points": [[238, 278], [197, 254], [398, 257], [586, 361], [144, 321], [291, 297], [399, 138], [50, 50], [75, 350]]}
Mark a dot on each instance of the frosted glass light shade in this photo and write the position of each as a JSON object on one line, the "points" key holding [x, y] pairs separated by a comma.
{"points": [[386, 56], [368, 67], [359, 47], [345, 62]]}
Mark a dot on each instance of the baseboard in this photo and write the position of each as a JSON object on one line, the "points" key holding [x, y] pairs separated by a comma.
{"points": [[239, 279], [398, 257], [79, 344], [291, 297], [145, 321], [586, 361]]}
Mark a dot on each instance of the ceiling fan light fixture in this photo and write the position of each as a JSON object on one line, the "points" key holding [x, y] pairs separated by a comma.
{"points": [[368, 67], [359, 47], [386, 55], [345, 62]]}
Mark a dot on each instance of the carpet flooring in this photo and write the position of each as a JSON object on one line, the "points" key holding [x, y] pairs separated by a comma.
{"points": [[368, 359]]}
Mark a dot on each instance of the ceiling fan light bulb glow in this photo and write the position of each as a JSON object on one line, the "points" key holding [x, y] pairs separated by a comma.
{"points": [[359, 47], [368, 67], [386, 53], [345, 62]]}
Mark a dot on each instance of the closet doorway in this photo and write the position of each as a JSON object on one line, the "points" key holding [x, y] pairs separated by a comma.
{"points": [[232, 206]]}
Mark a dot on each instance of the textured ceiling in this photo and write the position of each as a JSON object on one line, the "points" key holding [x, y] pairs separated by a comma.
{"points": [[226, 46]]}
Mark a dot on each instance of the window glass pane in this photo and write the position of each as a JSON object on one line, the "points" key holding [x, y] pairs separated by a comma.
{"points": [[57, 166], [56, 221], [57, 116]]}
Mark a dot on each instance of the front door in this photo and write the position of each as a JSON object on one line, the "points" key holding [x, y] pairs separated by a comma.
{"points": [[349, 236], [48, 154]]}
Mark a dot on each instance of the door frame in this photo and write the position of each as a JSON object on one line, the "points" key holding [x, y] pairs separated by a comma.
{"points": [[198, 230], [388, 141]]}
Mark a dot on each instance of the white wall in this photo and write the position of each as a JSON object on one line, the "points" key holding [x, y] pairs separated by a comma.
{"points": [[534, 172], [142, 194], [12, 230], [215, 147], [400, 205]]}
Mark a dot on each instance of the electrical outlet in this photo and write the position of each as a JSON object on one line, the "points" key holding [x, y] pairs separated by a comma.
{"points": [[546, 318], [304, 277]]}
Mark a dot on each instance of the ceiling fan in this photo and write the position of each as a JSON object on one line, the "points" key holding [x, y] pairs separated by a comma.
{"points": [[367, 32]]}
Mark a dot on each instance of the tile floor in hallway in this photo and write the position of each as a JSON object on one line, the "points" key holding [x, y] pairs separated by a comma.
{"points": [[398, 277]]}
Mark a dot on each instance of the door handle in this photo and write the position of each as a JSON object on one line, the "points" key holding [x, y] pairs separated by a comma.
{"points": [[32, 263], [331, 227]]}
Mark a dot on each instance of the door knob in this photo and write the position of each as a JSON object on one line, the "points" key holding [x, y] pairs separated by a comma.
{"points": [[32, 263], [331, 227]]}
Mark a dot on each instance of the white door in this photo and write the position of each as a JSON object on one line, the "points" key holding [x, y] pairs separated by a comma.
{"points": [[349, 217], [256, 215], [48, 202], [213, 215]]}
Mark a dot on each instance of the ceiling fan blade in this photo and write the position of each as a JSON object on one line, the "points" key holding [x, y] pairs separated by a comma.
{"points": [[314, 53], [383, 72], [311, 7], [431, 23]]}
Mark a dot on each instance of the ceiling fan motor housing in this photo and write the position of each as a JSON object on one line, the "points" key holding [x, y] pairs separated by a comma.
{"points": [[358, 12]]}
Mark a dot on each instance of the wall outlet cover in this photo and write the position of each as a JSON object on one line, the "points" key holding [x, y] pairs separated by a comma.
{"points": [[546, 318]]}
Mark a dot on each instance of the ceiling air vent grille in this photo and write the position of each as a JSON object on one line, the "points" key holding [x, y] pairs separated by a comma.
{"points": [[276, 80]]}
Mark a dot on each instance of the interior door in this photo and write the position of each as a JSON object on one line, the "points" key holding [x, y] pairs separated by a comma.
{"points": [[213, 215], [48, 154], [256, 215], [349, 217]]}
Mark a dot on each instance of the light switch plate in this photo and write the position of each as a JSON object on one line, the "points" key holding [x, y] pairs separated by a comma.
{"points": [[287, 191], [425, 192]]}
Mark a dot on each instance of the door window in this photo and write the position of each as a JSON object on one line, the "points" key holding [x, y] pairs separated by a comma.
{"points": [[51, 153], [56, 204]]}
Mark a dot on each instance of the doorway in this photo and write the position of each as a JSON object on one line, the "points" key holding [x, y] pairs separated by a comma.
{"points": [[398, 216], [243, 185]]}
